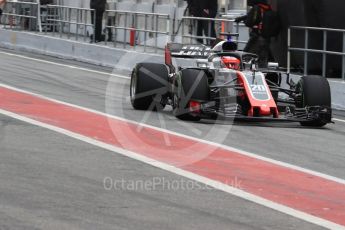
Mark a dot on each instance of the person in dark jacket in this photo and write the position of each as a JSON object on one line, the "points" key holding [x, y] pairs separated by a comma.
{"points": [[97, 17], [257, 43], [204, 9], [2, 3]]}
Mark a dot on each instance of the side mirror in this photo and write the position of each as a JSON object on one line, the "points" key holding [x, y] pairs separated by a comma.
{"points": [[253, 66], [202, 63], [273, 65]]}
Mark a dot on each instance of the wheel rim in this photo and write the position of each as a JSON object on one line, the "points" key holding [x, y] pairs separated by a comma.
{"points": [[175, 104], [133, 86]]}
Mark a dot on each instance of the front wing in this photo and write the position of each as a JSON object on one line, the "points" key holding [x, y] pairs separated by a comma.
{"points": [[322, 113]]}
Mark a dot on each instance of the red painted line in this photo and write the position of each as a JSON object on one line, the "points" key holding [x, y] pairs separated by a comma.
{"points": [[299, 190]]}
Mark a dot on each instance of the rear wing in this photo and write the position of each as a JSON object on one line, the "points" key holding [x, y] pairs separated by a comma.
{"points": [[188, 51]]}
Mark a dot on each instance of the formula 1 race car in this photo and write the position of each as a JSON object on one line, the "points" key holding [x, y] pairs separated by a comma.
{"points": [[203, 82]]}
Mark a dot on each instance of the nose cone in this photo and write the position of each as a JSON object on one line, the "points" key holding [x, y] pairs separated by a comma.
{"points": [[265, 110]]}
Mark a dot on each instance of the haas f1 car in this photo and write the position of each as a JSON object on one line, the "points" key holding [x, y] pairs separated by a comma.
{"points": [[202, 82]]}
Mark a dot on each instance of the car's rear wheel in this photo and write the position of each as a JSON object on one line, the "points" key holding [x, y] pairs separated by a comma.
{"points": [[191, 86], [149, 86], [314, 91]]}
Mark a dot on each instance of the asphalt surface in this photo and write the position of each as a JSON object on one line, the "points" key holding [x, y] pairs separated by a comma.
{"points": [[49, 181]]}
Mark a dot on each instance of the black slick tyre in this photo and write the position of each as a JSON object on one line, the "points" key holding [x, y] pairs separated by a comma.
{"points": [[191, 85], [314, 91], [149, 86]]}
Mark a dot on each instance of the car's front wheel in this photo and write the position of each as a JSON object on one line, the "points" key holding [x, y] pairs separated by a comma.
{"points": [[191, 86], [314, 91], [149, 86]]}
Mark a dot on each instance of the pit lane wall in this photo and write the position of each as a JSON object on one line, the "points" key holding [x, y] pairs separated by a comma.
{"points": [[107, 56], [68, 49], [338, 94]]}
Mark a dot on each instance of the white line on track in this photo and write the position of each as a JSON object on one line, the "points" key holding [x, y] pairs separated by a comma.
{"points": [[341, 81], [65, 65], [217, 185], [336, 119]]}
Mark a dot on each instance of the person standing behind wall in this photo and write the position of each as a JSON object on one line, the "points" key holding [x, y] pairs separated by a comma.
{"points": [[264, 24], [2, 3], [97, 18], [204, 9]]}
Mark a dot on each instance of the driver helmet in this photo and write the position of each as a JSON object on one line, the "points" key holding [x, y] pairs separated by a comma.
{"points": [[231, 62]]}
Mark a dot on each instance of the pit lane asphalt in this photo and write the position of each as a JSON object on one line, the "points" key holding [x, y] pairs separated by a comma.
{"points": [[320, 150], [59, 180], [50, 181]]}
